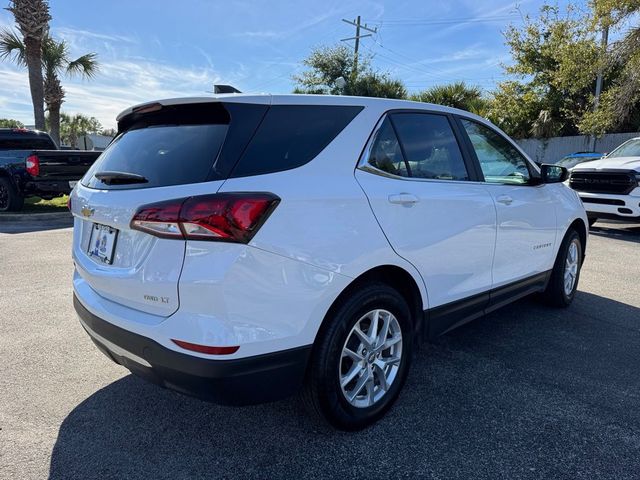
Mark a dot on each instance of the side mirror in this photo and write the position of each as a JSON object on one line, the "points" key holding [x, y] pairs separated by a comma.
{"points": [[553, 173]]}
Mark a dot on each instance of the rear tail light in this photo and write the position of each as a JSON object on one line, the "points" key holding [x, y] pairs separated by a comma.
{"points": [[227, 217], [33, 165]]}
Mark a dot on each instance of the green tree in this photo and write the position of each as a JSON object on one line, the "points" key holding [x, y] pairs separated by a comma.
{"points": [[55, 62], [456, 95], [10, 123], [32, 18], [72, 127], [109, 132], [619, 105], [555, 62], [326, 65]]}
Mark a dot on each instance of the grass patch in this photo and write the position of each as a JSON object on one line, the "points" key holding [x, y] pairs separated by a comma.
{"points": [[40, 205]]}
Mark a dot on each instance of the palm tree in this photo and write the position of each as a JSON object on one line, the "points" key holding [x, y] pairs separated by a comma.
{"points": [[32, 18], [74, 126], [622, 56], [55, 62], [457, 95]]}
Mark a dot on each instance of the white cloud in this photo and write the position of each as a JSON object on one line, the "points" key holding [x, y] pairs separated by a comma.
{"points": [[118, 85]]}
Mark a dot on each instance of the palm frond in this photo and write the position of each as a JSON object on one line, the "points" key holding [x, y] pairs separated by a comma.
{"points": [[87, 65], [12, 47], [54, 55]]}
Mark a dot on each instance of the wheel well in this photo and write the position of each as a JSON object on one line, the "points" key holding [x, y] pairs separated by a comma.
{"points": [[579, 226], [395, 277]]}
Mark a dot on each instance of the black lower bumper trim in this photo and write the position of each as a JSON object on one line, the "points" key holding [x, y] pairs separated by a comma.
{"points": [[243, 381], [612, 216]]}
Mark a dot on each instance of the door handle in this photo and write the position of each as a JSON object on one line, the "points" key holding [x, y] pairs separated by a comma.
{"points": [[504, 199], [403, 199]]}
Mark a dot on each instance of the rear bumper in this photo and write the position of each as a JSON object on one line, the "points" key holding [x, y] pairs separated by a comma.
{"points": [[48, 187], [242, 381]]}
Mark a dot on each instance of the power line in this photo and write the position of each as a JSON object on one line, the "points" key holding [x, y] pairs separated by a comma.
{"points": [[447, 21]]}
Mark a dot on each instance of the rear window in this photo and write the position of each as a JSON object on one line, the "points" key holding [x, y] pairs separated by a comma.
{"points": [[164, 155], [196, 143], [25, 141], [291, 136]]}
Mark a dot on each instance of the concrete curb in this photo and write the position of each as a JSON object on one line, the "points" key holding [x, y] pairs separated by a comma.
{"points": [[31, 217]]}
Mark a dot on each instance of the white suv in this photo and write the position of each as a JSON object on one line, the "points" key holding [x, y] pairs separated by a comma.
{"points": [[238, 248]]}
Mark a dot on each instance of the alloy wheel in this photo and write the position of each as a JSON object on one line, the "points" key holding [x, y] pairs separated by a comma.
{"points": [[572, 263], [370, 358]]}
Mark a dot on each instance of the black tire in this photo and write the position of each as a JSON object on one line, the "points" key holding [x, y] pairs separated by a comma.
{"points": [[10, 199], [322, 393], [556, 294], [592, 221]]}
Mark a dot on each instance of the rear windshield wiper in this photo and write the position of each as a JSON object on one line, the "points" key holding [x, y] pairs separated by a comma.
{"points": [[119, 178]]}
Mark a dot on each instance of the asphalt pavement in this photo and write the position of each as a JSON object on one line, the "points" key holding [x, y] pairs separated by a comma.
{"points": [[526, 392]]}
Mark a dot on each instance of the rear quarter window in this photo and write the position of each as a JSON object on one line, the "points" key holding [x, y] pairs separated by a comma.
{"points": [[291, 136]]}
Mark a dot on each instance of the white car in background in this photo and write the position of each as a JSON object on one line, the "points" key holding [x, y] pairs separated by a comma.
{"points": [[239, 248], [610, 187]]}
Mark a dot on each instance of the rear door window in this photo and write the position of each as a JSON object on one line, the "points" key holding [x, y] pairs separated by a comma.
{"points": [[385, 153], [291, 136], [430, 146]]}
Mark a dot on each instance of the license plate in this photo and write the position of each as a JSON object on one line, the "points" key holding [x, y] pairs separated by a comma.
{"points": [[102, 243]]}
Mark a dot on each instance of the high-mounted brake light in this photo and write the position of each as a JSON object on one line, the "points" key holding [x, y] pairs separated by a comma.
{"points": [[33, 165], [148, 108], [227, 217]]}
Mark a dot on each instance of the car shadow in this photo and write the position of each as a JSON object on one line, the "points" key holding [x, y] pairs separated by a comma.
{"points": [[526, 392], [629, 232]]}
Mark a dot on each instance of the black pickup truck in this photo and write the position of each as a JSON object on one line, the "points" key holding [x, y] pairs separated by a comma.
{"points": [[32, 165]]}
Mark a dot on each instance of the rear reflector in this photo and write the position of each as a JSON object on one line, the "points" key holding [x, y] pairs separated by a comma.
{"points": [[194, 347], [227, 217], [33, 165]]}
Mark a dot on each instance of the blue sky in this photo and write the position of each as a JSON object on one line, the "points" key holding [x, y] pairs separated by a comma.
{"points": [[157, 49]]}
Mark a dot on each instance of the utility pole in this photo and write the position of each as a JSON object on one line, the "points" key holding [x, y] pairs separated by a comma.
{"points": [[596, 101], [356, 23]]}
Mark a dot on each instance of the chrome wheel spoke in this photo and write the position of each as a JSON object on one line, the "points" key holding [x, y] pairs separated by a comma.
{"points": [[373, 328], [379, 372], [356, 357], [387, 361], [384, 332], [364, 378], [390, 342], [351, 374], [364, 339], [370, 389]]}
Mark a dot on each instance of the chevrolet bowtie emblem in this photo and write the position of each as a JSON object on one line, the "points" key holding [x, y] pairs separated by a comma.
{"points": [[87, 211]]}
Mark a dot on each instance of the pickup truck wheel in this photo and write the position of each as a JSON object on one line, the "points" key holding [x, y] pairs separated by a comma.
{"points": [[361, 360], [10, 199], [566, 272]]}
